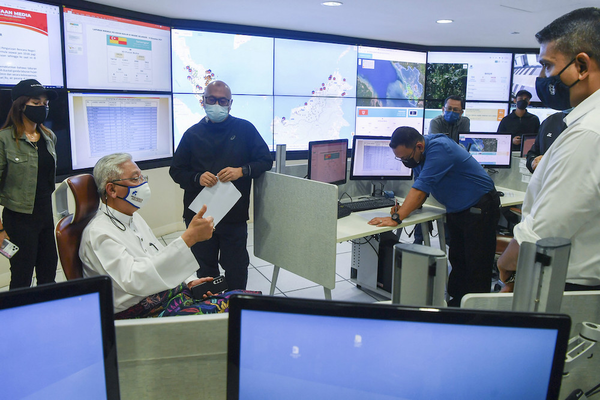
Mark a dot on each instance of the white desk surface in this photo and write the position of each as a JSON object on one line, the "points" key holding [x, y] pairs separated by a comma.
{"points": [[355, 225], [511, 197]]}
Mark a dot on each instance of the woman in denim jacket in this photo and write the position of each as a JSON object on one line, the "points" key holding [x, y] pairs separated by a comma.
{"points": [[27, 175]]}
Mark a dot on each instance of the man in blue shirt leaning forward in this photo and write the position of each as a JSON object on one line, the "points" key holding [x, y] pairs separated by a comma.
{"points": [[455, 179]]}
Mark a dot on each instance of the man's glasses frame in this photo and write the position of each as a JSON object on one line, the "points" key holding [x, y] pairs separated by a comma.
{"points": [[223, 101]]}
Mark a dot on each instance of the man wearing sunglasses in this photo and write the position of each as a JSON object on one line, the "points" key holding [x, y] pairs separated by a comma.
{"points": [[222, 148]]}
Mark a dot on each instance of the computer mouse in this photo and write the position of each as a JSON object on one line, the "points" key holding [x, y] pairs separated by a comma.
{"points": [[500, 194]]}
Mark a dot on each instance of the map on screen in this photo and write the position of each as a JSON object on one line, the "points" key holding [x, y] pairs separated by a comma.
{"points": [[187, 111], [244, 62], [315, 90], [390, 78]]}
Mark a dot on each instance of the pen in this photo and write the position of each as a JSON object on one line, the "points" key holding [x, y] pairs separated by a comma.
{"points": [[396, 207]]}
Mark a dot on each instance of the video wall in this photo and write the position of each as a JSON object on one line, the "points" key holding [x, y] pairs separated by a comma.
{"points": [[134, 85]]}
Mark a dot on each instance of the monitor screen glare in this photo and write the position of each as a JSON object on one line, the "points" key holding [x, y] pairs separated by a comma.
{"points": [[328, 161]]}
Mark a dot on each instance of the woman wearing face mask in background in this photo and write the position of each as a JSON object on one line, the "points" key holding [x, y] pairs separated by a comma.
{"points": [[27, 177]]}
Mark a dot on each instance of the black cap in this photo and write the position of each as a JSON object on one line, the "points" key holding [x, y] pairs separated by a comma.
{"points": [[31, 88]]}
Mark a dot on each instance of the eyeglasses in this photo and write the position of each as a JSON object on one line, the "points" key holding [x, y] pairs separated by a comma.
{"points": [[455, 109], [223, 101], [407, 158], [137, 180]]}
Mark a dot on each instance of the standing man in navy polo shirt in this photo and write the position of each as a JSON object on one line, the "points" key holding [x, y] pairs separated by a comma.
{"points": [[445, 170]]}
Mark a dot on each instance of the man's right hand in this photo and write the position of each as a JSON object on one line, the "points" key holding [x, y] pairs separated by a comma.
{"points": [[208, 179], [199, 229], [535, 162]]}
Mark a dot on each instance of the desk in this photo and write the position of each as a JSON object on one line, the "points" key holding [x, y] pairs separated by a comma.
{"points": [[355, 225], [511, 197], [296, 226]]}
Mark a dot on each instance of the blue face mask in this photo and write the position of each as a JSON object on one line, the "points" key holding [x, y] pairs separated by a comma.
{"points": [[216, 113], [553, 92], [451, 117]]}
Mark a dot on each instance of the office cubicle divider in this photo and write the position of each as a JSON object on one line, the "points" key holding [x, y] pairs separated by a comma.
{"points": [[295, 226]]}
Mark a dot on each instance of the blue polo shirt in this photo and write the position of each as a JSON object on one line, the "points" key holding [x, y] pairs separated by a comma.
{"points": [[450, 174]]}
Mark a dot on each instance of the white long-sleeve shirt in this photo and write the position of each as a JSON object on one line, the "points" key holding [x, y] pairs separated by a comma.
{"points": [[563, 196], [137, 263]]}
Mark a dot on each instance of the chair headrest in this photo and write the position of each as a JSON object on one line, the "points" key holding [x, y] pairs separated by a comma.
{"points": [[85, 194]]}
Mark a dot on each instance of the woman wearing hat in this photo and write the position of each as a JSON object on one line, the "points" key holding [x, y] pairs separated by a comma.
{"points": [[27, 175]]}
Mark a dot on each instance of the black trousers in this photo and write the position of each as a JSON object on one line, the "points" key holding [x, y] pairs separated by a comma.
{"points": [[472, 247], [228, 248], [34, 234]]}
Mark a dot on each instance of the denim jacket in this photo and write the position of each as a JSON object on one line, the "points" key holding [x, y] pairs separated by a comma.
{"points": [[18, 170]]}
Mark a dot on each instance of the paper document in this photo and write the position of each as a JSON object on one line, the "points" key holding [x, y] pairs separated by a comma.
{"points": [[219, 199]]}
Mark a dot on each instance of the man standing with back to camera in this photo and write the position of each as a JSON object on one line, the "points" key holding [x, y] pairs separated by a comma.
{"points": [[563, 196], [222, 148]]}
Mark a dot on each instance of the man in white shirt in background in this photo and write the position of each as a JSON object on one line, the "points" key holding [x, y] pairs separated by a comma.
{"points": [[117, 242], [563, 196]]}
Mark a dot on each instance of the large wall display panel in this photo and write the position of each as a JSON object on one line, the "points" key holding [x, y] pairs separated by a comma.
{"points": [[475, 76], [104, 123], [390, 78], [114, 53], [314, 69], [188, 111], [382, 121], [485, 117], [244, 62], [299, 120], [525, 69], [30, 43]]}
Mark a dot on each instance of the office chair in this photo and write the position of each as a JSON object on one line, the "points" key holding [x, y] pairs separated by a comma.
{"points": [[70, 227]]}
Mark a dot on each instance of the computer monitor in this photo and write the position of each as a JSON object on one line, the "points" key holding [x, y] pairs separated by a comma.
{"points": [[105, 123], [491, 150], [328, 161], [527, 140], [373, 159], [57, 341], [307, 349]]}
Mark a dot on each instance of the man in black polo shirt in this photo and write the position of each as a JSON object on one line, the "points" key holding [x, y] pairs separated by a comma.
{"points": [[519, 121]]}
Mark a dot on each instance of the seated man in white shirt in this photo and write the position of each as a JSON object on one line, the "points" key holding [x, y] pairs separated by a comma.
{"points": [[149, 279]]}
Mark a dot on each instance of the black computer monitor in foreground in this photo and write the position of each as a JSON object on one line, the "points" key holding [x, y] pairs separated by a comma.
{"points": [[491, 150], [57, 341], [373, 159], [328, 161], [285, 348], [527, 141]]}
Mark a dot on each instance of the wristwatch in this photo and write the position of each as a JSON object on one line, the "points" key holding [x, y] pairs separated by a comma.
{"points": [[511, 278], [245, 170], [396, 218]]}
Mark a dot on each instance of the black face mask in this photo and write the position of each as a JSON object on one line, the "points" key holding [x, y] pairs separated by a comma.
{"points": [[553, 92], [411, 163], [36, 114], [522, 104]]}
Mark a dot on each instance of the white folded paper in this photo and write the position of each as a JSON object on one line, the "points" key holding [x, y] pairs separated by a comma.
{"points": [[219, 199]]}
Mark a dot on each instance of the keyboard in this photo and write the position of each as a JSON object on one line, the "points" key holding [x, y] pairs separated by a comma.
{"points": [[369, 204]]}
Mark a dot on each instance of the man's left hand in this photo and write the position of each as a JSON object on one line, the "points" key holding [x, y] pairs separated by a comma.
{"points": [[383, 221], [230, 174]]}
